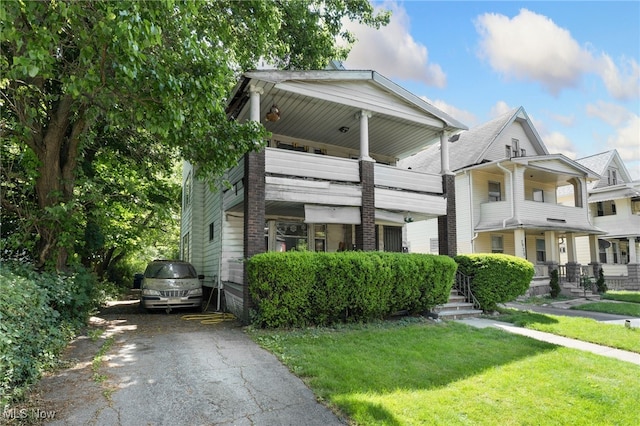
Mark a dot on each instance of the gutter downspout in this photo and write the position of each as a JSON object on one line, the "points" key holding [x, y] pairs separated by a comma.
{"points": [[221, 246], [513, 201]]}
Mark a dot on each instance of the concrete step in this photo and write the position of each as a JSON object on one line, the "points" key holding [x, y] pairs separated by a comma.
{"points": [[456, 298], [456, 314], [453, 306]]}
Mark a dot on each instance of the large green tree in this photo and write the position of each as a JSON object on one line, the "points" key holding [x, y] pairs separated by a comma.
{"points": [[72, 72]]}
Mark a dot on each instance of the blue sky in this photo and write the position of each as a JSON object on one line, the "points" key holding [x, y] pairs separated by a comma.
{"points": [[573, 66]]}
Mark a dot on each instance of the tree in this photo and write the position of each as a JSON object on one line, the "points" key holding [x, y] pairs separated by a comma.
{"points": [[163, 68]]}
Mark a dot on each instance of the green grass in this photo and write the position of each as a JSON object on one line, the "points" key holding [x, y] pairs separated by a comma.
{"points": [[618, 308], [586, 329], [450, 374], [623, 296]]}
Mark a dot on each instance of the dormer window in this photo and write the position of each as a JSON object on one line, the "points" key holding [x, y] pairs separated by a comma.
{"points": [[612, 177]]}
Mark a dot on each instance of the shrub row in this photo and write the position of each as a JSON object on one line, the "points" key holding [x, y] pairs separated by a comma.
{"points": [[496, 278], [39, 313], [297, 289]]}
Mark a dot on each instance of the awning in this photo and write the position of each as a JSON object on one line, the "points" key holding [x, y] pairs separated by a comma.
{"points": [[614, 194]]}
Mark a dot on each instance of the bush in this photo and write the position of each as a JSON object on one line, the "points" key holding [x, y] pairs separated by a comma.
{"points": [[39, 313], [601, 285], [496, 278], [554, 284], [296, 289]]}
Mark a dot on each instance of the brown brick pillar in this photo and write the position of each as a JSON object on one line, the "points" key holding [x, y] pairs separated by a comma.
{"points": [[366, 231], [254, 194], [447, 234]]}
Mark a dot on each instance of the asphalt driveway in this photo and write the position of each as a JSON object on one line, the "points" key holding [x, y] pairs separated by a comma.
{"points": [[163, 370]]}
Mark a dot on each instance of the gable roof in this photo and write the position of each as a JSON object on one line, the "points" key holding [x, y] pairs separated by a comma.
{"points": [[470, 147], [600, 162]]}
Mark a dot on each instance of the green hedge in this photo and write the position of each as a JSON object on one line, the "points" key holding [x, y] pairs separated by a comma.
{"points": [[39, 313], [296, 289], [496, 278]]}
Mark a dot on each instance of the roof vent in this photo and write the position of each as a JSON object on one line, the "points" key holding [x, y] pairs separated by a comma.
{"points": [[454, 138]]}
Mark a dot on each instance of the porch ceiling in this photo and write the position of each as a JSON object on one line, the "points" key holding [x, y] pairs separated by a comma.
{"points": [[306, 117]]}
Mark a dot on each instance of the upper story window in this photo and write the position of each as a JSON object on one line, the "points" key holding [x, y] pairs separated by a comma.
{"points": [[187, 191], [606, 208], [612, 177], [515, 145], [538, 195], [494, 191]]}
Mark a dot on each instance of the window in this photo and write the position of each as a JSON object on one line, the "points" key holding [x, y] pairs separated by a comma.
{"points": [[614, 250], [186, 253], [602, 250], [494, 191], [291, 236], [538, 195], [606, 208], [515, 143], [612, 177], [497, 244], [187, 191], [211, 231], [320, 237], [541, 252]]}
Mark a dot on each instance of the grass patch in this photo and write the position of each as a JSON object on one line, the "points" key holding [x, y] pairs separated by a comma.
{"points": [[585, 329], [619, 308], [99, 358], [623, 296], [407, 374]]}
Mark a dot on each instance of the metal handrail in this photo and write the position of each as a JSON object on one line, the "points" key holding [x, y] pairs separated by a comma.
{"points": [[462, 284]]}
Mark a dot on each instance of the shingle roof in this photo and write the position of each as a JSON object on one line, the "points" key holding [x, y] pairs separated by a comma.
{"points": [[597, 162], [466, 151]]}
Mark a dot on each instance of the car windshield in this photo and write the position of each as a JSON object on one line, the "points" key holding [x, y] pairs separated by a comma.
{"points": [[170, 270]]}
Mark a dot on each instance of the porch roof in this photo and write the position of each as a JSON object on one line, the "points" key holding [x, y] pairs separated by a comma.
{"points": [[538, 226], [627, 190], [323, 105]]}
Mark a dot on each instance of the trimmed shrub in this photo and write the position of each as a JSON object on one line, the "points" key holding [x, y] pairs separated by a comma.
{"points": [[496, 278], [554, 284], [296, 289]]}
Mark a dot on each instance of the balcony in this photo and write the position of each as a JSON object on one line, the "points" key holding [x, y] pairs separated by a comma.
{"points": [[539, 215]]}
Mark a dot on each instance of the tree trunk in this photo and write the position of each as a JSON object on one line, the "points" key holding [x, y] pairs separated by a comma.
{"points": [[57, 153]]}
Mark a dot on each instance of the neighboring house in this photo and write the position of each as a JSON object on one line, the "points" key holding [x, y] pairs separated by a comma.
{"points": [[506, 197], [327, 180], [614, 202]]}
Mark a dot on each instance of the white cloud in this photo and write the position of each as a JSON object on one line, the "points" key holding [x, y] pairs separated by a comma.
{"points": [[464, 116], [501, 107], [392, 51], [556, 142], [610, 113], [532, 47], [565, 120], [623, 86], [627, 139]]}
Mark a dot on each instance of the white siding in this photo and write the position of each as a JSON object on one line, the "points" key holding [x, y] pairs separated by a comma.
{"points": [[464, 212], [419, 235], [496, 150], [211, 248], [393, 177], [233, 241], [410, 201], [292, 163]]}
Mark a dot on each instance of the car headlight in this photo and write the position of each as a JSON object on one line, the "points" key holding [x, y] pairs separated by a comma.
{"points": [[150, 292], [195, 292]]}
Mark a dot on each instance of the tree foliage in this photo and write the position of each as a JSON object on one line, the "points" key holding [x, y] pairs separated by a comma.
{"points": [[90, 87]]}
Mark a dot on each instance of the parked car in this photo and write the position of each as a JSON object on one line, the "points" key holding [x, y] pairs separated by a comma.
{"points": [[169, 284]]}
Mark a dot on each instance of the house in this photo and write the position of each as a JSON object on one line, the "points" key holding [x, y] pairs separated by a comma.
{"points": [[614, 205], [506, 198], [326, 181]]}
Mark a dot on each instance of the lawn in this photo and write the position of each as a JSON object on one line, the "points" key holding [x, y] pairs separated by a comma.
{"points": [[411, 373], [623, 296], [617, 308], [586, 329]]}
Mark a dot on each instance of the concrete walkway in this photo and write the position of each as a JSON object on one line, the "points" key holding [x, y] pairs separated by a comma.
{"points": [[556, 340]]}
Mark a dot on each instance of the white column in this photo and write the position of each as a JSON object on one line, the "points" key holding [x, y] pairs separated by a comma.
{"points": [[632, 250], [519, 243], [594, 252], [551, 246], [364, 135], [254, 97], [571, 248], [444, 154]]}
